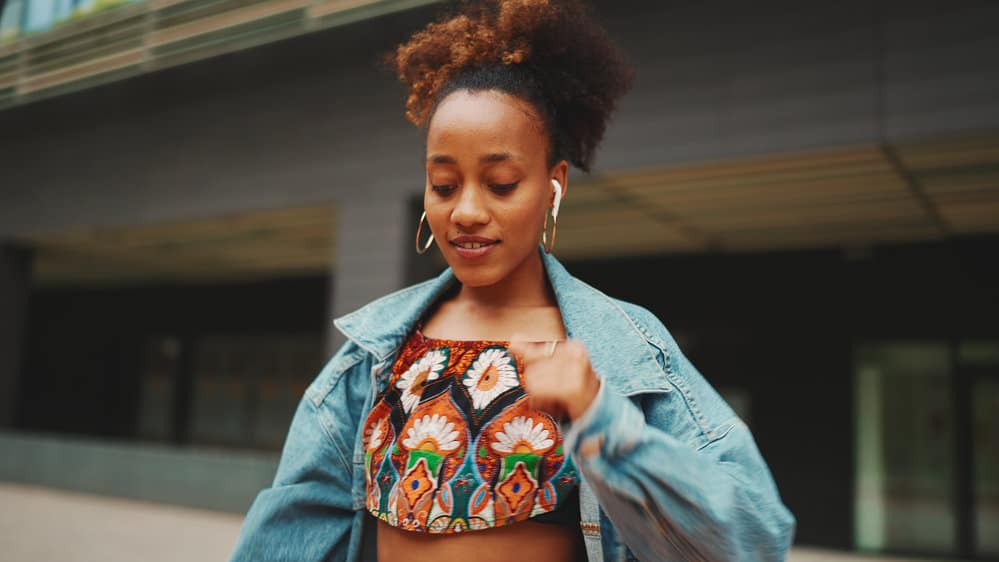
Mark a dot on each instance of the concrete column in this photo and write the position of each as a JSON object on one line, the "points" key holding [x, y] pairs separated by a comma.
{"points": [[15, 281], [371, 254]]}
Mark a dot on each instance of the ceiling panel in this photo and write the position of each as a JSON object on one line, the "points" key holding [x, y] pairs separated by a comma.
{"points": [[619, 239], [589, 193], [802, 238], [801, 164], [269, 243], [777, 181], [961, 178], [816, 216], [620, 229], [861, 190], [954, 152], [972, 217]]}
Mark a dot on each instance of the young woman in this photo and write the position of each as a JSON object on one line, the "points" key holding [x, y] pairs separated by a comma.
{"points": [[506, 410]]}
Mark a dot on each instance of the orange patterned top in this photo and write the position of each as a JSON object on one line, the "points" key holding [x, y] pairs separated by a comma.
{"points": [[451, 444]]}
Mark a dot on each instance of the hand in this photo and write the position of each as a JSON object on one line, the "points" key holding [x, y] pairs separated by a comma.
{"points": [[561, 383]]}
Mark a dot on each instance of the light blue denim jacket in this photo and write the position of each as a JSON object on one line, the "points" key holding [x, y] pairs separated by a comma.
{"points": [[677, 475]]}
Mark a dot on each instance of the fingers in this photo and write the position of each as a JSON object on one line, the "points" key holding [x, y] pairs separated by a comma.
{"points": [[532, 351], [554, 375], [528, 351], [552, 407]]}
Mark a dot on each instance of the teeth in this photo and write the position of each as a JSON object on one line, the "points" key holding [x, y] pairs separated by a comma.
{"points": [[471, 245]]}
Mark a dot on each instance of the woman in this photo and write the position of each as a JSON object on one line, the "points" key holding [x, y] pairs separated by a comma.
{"points": [[506, 409]]}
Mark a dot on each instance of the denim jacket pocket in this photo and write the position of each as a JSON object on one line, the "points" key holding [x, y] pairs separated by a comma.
{"points": [[703, 404], [335, 396], [343, 360]]}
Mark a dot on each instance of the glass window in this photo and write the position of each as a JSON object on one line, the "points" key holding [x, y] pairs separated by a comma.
{"points": [[157, 388], [905, 447], [979, 353], [246, 387], [10, 20], [980, 358], [985, 446], [225, 369]]}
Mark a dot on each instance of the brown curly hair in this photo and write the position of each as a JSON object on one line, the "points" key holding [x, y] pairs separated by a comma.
{"points": [[551, 53]]}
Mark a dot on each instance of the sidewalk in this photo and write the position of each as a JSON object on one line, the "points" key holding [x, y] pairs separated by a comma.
{"points": [[41, 524]]}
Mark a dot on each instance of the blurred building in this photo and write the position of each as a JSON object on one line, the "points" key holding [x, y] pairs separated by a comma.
{"points": [[807, 194]]}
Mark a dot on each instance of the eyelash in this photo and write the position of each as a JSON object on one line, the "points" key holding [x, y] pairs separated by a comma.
{"points": [[497, 187], [503, 187]]}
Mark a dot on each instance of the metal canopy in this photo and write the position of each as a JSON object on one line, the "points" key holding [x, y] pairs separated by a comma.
{"points": [[844, 197], [841, 197]]}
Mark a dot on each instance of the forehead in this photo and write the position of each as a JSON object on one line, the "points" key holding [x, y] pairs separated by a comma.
{"points": [[485, 121]]}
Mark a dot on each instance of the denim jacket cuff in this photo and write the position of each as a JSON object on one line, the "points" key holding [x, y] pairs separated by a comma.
{"points": [[611, 421]]}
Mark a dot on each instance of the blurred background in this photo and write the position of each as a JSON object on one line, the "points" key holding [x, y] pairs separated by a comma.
{"points": [[806, 193]]}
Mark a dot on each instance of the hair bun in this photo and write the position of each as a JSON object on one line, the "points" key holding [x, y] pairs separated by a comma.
{"points": [[568, 54]]}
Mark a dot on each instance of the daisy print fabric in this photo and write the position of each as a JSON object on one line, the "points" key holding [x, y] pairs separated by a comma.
{"points": [[452, 446], [492, 373]]}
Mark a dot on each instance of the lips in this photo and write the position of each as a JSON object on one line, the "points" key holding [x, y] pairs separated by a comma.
{"points": [[472, 247]]}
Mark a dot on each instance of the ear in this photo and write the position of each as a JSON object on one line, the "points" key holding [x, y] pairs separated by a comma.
{"points": [[559, 173]]}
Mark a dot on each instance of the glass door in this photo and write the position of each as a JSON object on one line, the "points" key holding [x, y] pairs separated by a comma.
{"points": [[927, 448], [979, 366], [905, 438], [985, 452]]}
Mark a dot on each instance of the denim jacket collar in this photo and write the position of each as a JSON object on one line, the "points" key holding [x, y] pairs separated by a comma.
{"points": [[619, 351]]}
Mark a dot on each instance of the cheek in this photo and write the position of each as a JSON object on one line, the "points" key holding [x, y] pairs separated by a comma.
{"points": [[437, 220], [437, 211], [526, 219]]}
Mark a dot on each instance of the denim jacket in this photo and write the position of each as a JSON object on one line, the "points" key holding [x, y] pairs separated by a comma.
{"points": [[671, 473]]}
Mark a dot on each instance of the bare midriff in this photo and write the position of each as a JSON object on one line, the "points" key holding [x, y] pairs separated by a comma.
{"points": [[521, 541]]}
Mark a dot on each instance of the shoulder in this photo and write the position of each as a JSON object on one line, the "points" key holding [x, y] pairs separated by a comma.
{"points": [[350, 356], [380, 326], [648, 323], [384, 305], [709, 412], [653, 331], [373, 332], [641, 319]]}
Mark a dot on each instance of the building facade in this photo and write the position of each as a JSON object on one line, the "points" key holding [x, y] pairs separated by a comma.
{"points": [[806, 194]]}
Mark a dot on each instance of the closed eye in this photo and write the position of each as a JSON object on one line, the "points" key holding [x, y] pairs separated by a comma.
{"points": [[503, 187], [442, 189]]}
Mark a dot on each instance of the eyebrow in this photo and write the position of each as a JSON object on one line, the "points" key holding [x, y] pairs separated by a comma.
{"points": [[484, 159]]}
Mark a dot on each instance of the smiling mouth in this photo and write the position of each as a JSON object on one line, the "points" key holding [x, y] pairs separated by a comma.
{"points": [[473, 245]]}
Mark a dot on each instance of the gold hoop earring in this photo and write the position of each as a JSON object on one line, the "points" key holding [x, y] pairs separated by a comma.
{"points": [[422, 249], [544, 233]]}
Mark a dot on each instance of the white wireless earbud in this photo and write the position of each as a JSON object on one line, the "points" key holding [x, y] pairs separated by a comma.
{"points": [[558, 198]]}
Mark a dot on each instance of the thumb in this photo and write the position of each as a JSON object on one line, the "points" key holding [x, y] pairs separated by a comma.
{"points": [[524, 350]]}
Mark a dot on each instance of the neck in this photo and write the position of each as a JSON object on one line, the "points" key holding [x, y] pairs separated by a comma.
{"points": [[525, 286]]}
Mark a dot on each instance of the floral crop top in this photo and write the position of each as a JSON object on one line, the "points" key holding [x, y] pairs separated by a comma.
{"points": [[451, 444]]}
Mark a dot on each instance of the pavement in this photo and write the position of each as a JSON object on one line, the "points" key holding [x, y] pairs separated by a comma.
{"points": [[42, 524]]}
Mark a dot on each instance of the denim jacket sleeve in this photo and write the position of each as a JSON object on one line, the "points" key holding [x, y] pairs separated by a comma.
{"points": [[671, 496], [308, 512]]}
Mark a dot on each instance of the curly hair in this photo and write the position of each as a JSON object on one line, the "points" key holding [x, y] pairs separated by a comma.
{"points": [[550, 53]]}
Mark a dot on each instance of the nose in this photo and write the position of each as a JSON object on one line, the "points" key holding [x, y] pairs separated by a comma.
{"points": [[470, 209]]}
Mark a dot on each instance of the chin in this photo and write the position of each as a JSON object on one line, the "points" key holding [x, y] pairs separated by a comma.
{"points": [[472, 276], [487, 273]]}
